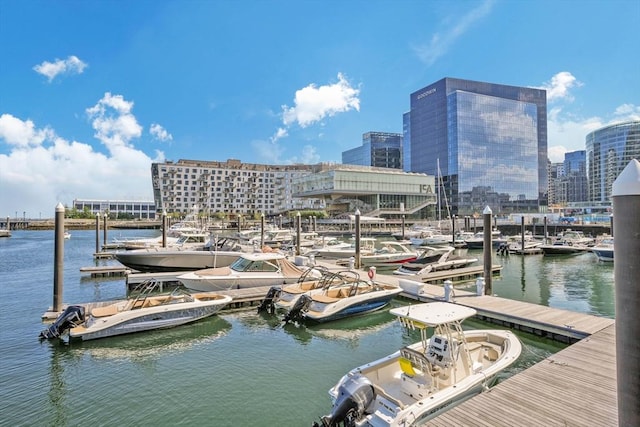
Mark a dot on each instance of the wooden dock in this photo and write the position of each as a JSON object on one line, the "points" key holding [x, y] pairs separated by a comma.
{"points": [[575, 387], [106, 271]]}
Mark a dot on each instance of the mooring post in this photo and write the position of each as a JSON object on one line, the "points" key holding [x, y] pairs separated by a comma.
{"points": [[298, 233], [164, 229], [58, 266], [97, 232], [8, 225], [261, 231], [486, 252], [626, 208], [522, 233], [357, 217], [402, 227], [104, 229], [545, 230], [454, 218]]}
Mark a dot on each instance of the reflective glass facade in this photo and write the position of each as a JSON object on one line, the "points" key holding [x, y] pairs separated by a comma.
{"points": [[379, 149], [487, 142], [609, 151]]}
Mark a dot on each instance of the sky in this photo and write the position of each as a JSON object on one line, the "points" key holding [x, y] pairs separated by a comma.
{"points": [[93, 92]]}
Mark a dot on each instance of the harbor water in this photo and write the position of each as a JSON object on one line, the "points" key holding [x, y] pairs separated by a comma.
{"points": [[237, 368]]}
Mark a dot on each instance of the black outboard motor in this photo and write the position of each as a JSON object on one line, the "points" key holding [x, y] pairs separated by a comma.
{"points": [[296, 313], [267, 303], [71, 317], [355, 396]]}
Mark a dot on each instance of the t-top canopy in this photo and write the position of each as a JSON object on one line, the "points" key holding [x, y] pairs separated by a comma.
{"points": [[433, 313]]}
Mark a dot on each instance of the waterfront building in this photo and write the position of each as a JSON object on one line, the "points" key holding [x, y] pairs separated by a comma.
{"points": [[486, 143], [378, 149], [115, 208], [608, 151], [380, 192], [228, 188]]}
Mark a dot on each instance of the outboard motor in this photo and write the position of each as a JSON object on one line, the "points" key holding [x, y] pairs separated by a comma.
{"points": [[355, 396], [71, 317], [296, 313], [267, 303]]}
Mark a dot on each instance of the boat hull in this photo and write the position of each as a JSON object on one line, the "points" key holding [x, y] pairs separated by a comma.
{"points": [[352, 306], [160, 317], [152, 261], [222, 283]]}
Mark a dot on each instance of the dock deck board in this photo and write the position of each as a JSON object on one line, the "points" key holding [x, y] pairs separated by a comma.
{"points": [[574, 387]]}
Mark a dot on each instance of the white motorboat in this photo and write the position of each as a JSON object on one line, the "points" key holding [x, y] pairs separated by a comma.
{"points": [[180, 258], [431, 238], [603, 250], [67, 235], [390, 254], [145, 311], [348, 296], [477, 240], [4, 232], [191, 240], [249, 271], [421, 380], [284, 297], [435, 259], [367, 247]]}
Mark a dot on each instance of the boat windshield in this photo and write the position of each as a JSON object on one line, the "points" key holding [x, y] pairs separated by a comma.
{"points": [[247, 265]]}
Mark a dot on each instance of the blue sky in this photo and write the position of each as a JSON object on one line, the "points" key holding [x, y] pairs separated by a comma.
{"points": [[93, 92]]}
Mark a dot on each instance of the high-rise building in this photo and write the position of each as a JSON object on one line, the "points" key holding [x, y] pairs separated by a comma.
{"points": [[609, 151], [378, 149], [486, 142]]}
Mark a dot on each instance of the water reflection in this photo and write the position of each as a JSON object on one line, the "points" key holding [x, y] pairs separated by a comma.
{"points": [[146, 346]]}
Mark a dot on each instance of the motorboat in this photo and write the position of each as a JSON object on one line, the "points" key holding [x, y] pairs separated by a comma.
{"points": [[367, 247], [421, 380], [248, 271], [145, 310], [435, 259], [390, 254], [604, 249], [431, 238], [179, 258], [414, 231], [67, 235], [284, 297], [192, 240], [5, 232], [476, 241], [575, 238], [350, 296]]}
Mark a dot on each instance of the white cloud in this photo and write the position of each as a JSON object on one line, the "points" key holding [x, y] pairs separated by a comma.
{"points": [[42, 169], [71, 65], [160, 133], [313, 103], [21, 133], [559, 85], [113, 122], [441, 42]]}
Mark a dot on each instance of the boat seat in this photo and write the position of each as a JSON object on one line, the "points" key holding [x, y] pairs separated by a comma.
{"points": [[106, 311], [414, 382]]}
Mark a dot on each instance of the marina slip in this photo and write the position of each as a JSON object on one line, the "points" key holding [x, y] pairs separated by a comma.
{"points": [[237, 367]]}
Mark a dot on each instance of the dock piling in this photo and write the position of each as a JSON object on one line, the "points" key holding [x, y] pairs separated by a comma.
{"points": [[486, 217], [626, 205], [58, 267]]}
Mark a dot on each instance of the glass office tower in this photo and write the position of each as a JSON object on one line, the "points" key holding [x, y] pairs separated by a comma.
{"points": [[609, 151], [486, 144], [378, 149]]}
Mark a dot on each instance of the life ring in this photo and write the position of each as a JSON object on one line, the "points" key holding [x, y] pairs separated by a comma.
{"points": [[370, 273]]}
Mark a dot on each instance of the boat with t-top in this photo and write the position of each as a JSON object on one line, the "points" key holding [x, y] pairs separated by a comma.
{"points": [[423, 379]]}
